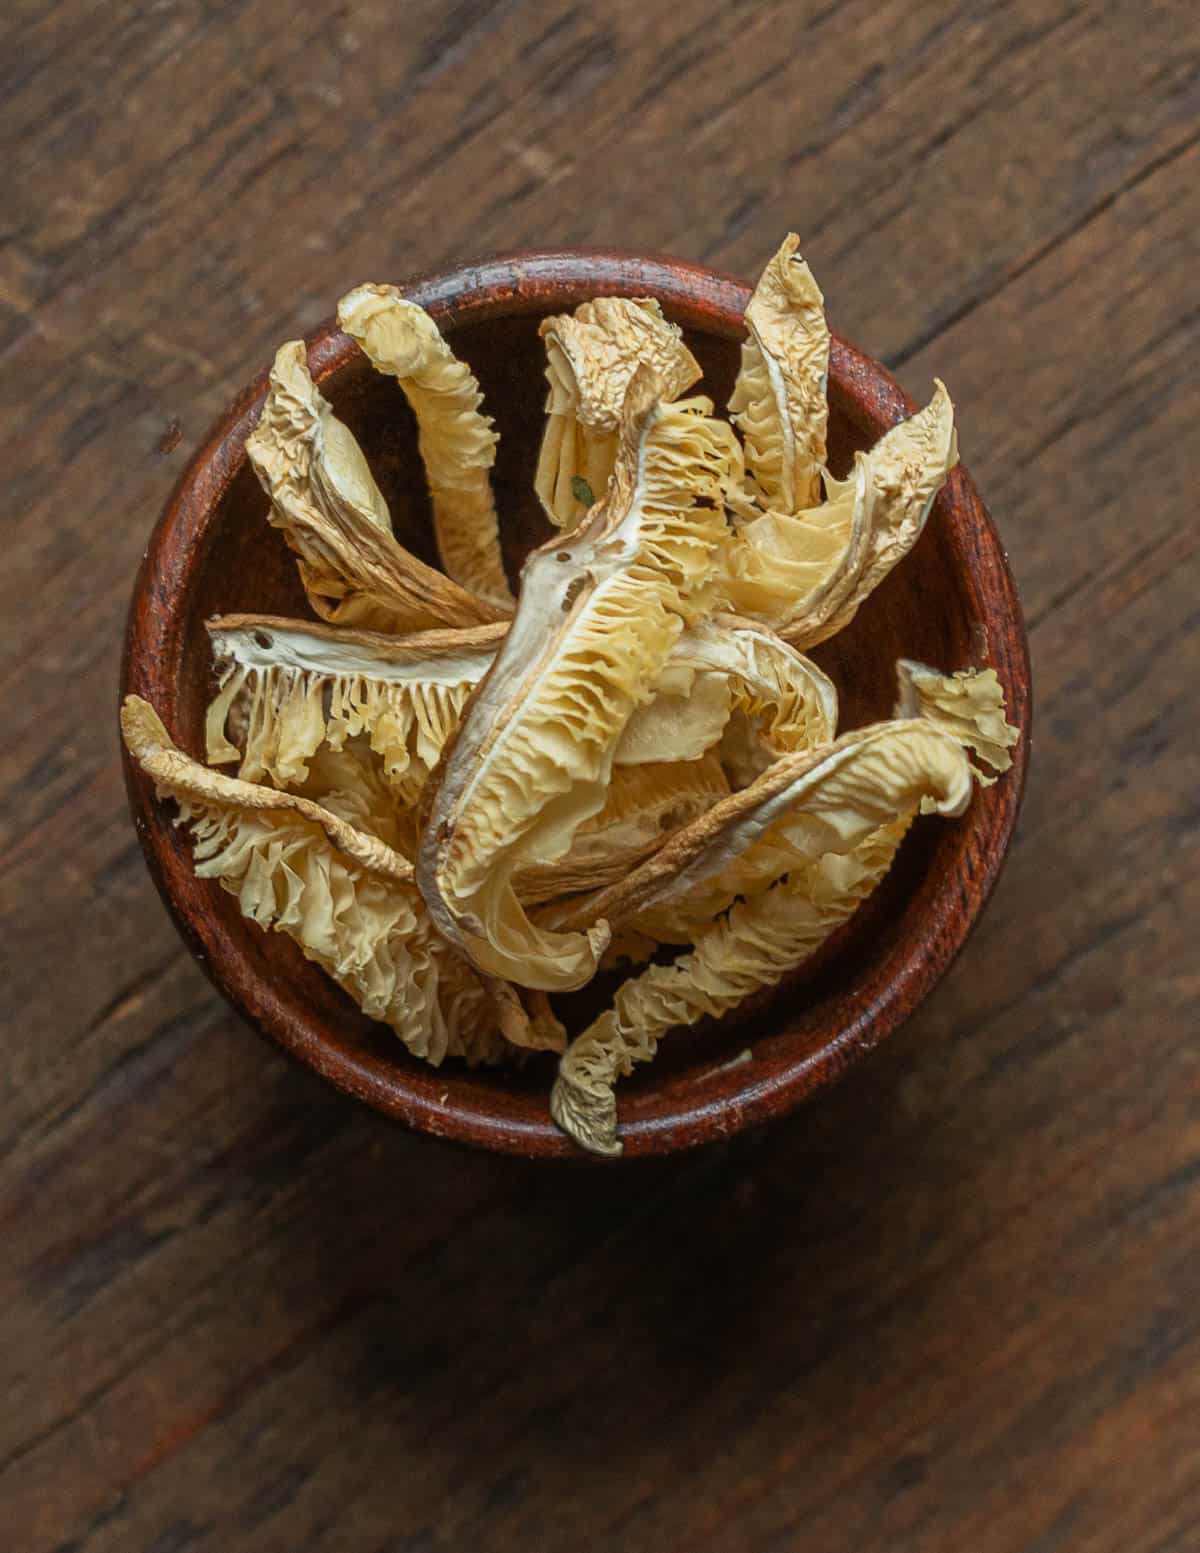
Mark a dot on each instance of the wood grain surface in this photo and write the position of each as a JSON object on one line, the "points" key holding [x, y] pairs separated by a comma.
{"points": [[951, 1306]]}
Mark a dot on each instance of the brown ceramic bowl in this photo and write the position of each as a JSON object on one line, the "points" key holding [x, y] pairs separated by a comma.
{"points": [[950, 603]]}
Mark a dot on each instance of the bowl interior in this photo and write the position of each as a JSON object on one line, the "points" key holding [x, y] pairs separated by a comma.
{"points": [[935, 607]]}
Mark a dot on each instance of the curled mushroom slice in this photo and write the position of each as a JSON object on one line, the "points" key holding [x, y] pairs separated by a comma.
{"points": [[457, 441], [778, 402], [288, 688], [759, 942], [968, 705], [806, 574], [781, 701], [332, 514], [343, 895], [591, 356], [796, 702], [802, 807], [599, 613], [645, 805], [348, 782], [723, 667], [176, 775], [293, 688], [687, 716]]}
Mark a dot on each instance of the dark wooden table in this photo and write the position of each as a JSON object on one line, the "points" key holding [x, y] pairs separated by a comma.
{"points": [[953, 1306]]}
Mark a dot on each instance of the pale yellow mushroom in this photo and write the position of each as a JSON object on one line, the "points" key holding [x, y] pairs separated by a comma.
{"points": [[293, 687], [968, 705], [591, 356], [644, 807], [759, 942], [457, 441], [344, 895], [803, 806], [600, 611], [332, 514], [778, 402], [805, 574]]}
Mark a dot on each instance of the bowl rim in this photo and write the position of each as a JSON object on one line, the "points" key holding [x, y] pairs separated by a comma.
{"points": [[514, 284]]}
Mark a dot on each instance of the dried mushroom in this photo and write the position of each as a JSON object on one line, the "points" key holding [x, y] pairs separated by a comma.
{"points": [[599, 612], [332, 514], [778, 402], [724, 667], [803, 807], [807, 573], [685, 717], [757, 944], [591, 356], [286, 688], [646, 804], [969, 705], [457, 808], [295, 687], [457, 442], [343, 895]]}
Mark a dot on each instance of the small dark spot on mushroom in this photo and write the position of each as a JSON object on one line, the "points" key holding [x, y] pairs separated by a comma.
{"points": [[563, 555], [264, 640], [574, 588]]}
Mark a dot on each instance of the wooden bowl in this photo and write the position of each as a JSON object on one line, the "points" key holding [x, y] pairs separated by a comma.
{"points": [[950, 603]]}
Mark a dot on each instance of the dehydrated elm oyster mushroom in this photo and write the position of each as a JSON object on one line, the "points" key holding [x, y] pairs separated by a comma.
{"points": [[806, 573], [778, 402], [332, 514], [760, 940], [297, 686], [591, 357], [599, 612], [457, 441], [343, 895]]}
